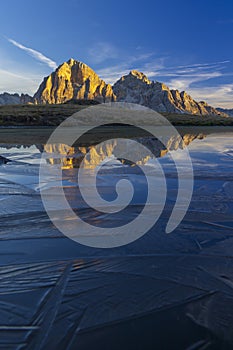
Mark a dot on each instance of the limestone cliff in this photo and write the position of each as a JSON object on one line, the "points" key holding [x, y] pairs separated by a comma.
{"points": [[137, 88], [73, 80]]}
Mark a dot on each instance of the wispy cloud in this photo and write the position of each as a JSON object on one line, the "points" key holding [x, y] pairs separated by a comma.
{"points": [[198, 79], [201, 65], [163, 69], [185, 82], [18, 82], [195, 78], [36, 54], [134, 62], [176, 77], [181, 77], [217, 96], [102, 51]]}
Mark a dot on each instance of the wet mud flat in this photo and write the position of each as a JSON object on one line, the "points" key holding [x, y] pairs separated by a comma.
{"points": [[163, 291]]}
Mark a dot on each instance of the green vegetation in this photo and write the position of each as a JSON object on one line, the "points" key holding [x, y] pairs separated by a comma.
{"points": [[36, 115], [198, 120], [53, 115], [82, 102]]}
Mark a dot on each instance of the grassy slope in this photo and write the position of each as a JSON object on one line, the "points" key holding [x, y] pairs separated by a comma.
{"points": [[36, 115], [207, 120], [53, 115]]}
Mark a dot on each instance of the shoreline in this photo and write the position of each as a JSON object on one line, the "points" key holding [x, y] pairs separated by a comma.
{"points": [[30, 135]]}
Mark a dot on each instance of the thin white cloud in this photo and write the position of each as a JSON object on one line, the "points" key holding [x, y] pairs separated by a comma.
{"points": [[201, 72], [182, 77], [217, 96], [102, 51], [201, 65], [36, 54], [113, 73], [185, 82], [21, 82], [137, 62], [179, 77]]}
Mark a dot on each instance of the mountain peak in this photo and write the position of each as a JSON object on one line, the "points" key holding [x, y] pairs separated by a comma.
{"points": [[137, 88], [73, 62], [73, 80], [139, 75]]}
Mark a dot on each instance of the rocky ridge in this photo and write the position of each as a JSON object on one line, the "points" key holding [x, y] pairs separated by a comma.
{"points": [[73, 80], [15, 99], [137, 88], [226, 111]]}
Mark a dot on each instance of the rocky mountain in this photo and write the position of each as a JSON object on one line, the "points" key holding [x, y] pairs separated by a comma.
{"points": [[15, 99], [137, 88], [73, 80], [226, 111]]}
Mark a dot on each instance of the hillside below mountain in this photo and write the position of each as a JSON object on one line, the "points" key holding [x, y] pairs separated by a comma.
{"points": [[54, 114]]}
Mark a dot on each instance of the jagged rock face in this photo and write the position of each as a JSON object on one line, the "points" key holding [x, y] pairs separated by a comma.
{"points": [[137, 88], [14, 99], [73, 80]]}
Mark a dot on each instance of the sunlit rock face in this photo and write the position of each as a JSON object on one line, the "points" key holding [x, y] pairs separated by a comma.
{"points": [[91, 156], [137, 88], [73, 80]]}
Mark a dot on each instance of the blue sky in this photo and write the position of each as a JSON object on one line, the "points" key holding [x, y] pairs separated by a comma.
{"points": [[186, 44]]}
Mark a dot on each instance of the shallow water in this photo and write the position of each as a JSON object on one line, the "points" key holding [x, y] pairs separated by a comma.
{"points": [[158, 291]]}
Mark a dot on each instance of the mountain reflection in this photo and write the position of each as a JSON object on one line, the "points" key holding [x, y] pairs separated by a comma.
{"points": [[90, 156]]}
